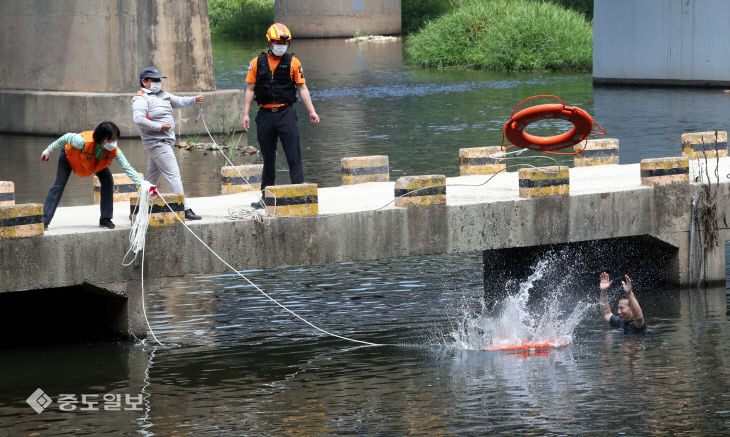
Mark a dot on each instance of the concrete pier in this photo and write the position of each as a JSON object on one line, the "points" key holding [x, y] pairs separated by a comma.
{"points": [[661, 42], [359, 222], [338, 19], [72, 64]]}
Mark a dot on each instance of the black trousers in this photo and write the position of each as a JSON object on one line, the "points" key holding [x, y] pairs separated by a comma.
{"points": [[284, 126], [62, 174]]}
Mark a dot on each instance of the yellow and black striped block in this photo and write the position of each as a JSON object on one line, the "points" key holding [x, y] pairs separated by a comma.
{"points": [[481, 160], [420, 191], [597, 152], [544, 181], [124, 187], [241, 178], [296, 200], [362, 169], [7, 193], [160, 214], [704, 144], [664, 171], [21, 221]]}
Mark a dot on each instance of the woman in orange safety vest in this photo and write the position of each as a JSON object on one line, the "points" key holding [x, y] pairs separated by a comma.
{"points": [[85, 154]]}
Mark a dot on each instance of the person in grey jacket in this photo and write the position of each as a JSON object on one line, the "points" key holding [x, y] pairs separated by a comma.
{"points": [[152, 113]]}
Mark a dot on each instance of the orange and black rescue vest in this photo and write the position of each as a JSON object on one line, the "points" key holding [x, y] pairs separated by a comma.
{"points": [[83, 162], [274, 88]]}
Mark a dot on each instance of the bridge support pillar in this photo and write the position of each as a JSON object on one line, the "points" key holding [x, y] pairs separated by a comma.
{"points": [[76, 64]]}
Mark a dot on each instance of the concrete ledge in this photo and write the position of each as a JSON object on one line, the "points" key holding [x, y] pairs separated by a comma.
{"points": [[361, 169], [597, 152], [481, 160], [332, 19], [124, 187], [161, 214], [704, 144], [295, 200], [56, 112], [7, 193], [417, 191], [619, 81], [240, 178], [21, 221]]}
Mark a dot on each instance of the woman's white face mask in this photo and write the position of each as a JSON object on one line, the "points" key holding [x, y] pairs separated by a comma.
{"points": [[278, 49], [110, 146], [155, 87]]}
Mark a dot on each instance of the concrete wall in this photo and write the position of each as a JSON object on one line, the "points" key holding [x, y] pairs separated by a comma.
{"points": [[660, 215], [71, 259], [339, 18], [662, 41], [101, 45], [55, 113], [70, 64]]}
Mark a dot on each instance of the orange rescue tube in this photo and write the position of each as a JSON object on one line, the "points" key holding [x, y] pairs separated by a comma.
{"points": [[526, 346], [514, 128]]}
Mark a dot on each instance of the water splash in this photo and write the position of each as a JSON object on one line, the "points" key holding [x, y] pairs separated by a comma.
{"points": [[517, 322]]}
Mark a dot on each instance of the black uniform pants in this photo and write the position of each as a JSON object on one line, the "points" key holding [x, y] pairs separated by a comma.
{"points": [[64, 171], [284, 126]]}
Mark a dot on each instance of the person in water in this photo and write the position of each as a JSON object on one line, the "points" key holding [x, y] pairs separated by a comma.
{"points": [[630, 317]]}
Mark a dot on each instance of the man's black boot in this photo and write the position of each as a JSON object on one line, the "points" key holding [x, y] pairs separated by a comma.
{"points": [[106, 223], [190, 215], [259, 204]]}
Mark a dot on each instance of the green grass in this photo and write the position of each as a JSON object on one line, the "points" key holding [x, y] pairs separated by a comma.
{"points": [[416, 13], [504, 35], [242, 19]]}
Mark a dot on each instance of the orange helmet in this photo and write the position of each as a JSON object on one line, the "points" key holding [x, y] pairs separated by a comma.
{"points": [[278, 31]]}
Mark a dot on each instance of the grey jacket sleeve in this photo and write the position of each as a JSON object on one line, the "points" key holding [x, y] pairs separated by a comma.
{"points": [[181, 102], [139, 114]]}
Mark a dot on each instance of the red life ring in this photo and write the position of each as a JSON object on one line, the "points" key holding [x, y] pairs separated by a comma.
{"points": [[514, 128]]}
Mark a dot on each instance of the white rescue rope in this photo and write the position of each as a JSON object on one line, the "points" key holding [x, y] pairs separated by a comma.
{"points": [[265, 294], [259, 215], [137, 236], [137, 242]]}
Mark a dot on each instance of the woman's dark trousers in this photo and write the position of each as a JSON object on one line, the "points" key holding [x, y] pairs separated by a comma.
{"points": [[64, 171]]}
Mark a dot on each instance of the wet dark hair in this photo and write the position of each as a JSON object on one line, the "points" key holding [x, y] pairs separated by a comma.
{"points": [[106, 130]]}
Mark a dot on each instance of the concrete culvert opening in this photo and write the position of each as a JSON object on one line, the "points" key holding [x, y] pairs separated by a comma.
{"points": [[60, 315], [651, 263]]}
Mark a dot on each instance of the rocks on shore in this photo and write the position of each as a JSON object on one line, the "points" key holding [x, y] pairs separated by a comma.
{"points": [[249, 153]]}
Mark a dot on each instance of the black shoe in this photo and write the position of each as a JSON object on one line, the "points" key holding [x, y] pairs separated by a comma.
{"points": [[106, 223], [190, 215], [259, 204]]}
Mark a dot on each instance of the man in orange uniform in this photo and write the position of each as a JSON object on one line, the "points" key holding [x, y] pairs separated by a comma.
{"points": [[273, 80]]}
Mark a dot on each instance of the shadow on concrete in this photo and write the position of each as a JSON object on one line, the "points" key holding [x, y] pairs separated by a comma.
{"points": [[651, 263], [59, 315]]}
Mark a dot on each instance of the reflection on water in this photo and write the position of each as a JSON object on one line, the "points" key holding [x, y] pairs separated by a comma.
{"points": [[234, 363]]}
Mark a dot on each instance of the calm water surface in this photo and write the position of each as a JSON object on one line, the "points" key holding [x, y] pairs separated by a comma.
{"points": [[233, 363]]}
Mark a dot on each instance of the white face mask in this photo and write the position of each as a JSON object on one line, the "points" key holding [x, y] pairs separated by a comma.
{"points": [[278, 49], [110, 146], [155, 87]]}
